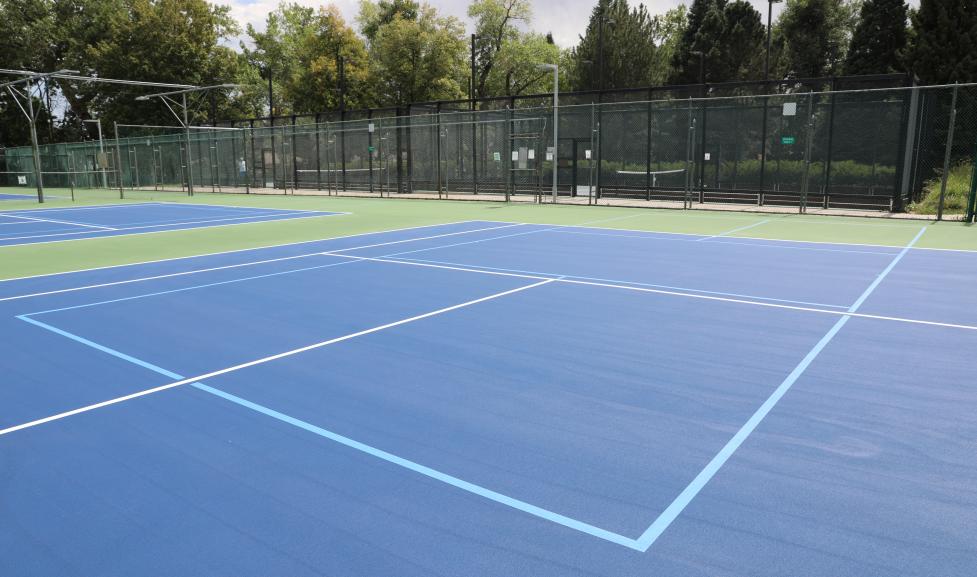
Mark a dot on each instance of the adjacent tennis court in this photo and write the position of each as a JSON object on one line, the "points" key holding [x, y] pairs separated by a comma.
{"points": [[59, 224], [495, 398]]}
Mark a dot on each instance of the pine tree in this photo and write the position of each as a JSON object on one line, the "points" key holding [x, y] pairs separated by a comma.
{"points": [[945, 37], [879, 43], [628, 57], [703, 35], [814, 33]]}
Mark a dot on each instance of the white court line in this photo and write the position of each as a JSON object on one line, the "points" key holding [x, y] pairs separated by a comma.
{"points": [[74, 208], [35, 219], [787, 240], [267, 359], [218, 253], [737, 229], [563, 279], [161, 232], [725, 240], [252, 263], [250, 219]]}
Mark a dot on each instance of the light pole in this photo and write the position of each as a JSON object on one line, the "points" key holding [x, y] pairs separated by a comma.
{"points": [[600, 49], [471, 88], [766, 61], [101, 150], [556, 116]]}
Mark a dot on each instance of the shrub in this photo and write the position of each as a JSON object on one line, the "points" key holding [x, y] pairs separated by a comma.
{"points": [[957, 191]]}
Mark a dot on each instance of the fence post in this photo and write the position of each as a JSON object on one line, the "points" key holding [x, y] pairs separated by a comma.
{"points": [[831, 137], [949, 150], [369, 146], [118, 158], [318, 156], [295, 165], [972, 199], [809, 137], [648, 150]]}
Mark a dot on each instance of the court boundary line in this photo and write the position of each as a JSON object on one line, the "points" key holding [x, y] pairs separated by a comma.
{"points": [[253, 219], [51, 220], [568, 279], [251, 263], [562, 278], [232, 251], [737, 229], [665, 519], [196, 382], [895, 246], [641, 544], [272, 246]]}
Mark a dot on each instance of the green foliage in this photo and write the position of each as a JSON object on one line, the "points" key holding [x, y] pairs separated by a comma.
{"points": [[668, 29], [957, 191], [814, 35], [506, 58], [302, 48], [945, 34], [729, 37], [878, 43], [628, 57], [415, 59]]}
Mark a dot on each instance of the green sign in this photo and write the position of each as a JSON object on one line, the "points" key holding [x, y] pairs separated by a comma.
{"points": [[371, 149], [786, 140]]}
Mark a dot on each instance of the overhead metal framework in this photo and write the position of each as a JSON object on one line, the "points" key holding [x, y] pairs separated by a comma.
{"points": [[184, 118], [22, 90]]}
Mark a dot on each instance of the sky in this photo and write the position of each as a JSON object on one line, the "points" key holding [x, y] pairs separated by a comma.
{"points": [[566, 19]]}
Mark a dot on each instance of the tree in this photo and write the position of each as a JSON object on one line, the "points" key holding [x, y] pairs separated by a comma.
{"points": [[945, 33], [506, 58], [668, 31], [415, 57], [627, 58], [301, 48], [725, 39], [742, 44], [814, 35], [878, 44]]}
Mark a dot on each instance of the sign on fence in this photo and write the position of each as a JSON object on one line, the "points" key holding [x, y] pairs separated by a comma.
{"points": [[786, 140]]}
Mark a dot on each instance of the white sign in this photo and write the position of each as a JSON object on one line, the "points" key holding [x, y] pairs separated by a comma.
{"points": [[21, 180], [532, 154], [707, 156], [549, 155], [586, 154], [790, 109], [370, 127], [515, 156], [497, 156]]}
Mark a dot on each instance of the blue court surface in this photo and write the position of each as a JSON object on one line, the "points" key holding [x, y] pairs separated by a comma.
{"points": [[59, 224], [498, 399]]}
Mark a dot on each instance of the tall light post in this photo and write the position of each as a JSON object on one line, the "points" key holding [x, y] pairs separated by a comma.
{"points": [[556, 116], [766, 61], [600, 48]]}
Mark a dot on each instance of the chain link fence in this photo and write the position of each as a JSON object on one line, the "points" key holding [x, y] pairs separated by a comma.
{"points": [[893, 149]]}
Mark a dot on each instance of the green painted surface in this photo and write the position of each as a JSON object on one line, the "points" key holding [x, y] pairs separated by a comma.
{"points": [[374, 214]]}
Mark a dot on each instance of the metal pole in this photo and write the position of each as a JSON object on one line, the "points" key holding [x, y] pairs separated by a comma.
{"points": [[949, 149], [38, 181], [972, 198], [118, 158], [809, 137], [556, 124], [766, 60], [186, 129]]}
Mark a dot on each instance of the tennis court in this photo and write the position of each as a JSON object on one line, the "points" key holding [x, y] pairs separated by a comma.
{"points": [[59, 224], [496, 398]]}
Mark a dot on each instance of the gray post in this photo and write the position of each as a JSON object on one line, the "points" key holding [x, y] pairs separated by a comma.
{"points": [[118, 158], [35, 150], [949, 149], [907, 160], [805, 181], [186, 130]]}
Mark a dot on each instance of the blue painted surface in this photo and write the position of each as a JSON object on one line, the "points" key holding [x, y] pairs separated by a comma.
{"points": [[61, 224], [496, 439]]}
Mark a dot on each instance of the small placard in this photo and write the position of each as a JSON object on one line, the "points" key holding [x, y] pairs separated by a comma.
{"points": [[532, 154], [497, 156], [586, 154], [790, 109], [370, 127], [707, 156], [21, 180], [515, 156], [786, 140]]}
